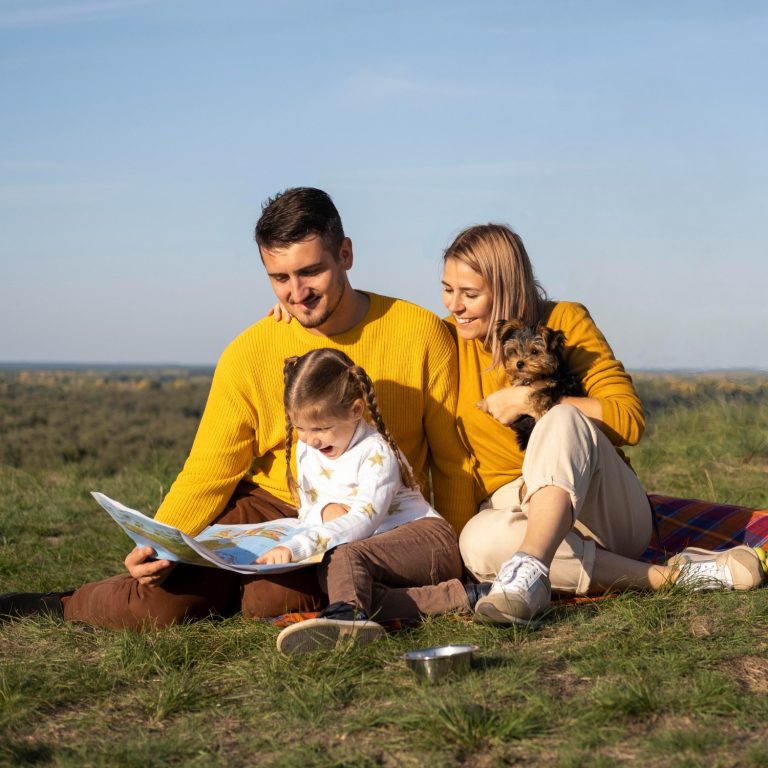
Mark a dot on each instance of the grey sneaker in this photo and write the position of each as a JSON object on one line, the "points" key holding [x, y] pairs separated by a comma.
{"points": [[520, 592], [701, 569], [327, 634]]}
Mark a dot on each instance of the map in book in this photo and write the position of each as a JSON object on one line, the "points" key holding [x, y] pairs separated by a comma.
{"points": [[232, 547]]}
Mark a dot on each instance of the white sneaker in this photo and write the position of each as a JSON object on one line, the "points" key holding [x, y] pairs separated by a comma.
{"points": [[520, 592], [701, 569]]}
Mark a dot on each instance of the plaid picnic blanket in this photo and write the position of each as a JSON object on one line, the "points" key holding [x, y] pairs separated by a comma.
{"points": [[691, 522], [681, 523]]}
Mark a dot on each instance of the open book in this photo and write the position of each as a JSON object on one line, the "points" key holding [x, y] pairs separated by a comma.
{"points": [[232, 547]]}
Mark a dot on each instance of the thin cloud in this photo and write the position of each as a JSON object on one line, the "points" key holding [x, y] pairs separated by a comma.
{"points": [[375, 87], [29, 13]]}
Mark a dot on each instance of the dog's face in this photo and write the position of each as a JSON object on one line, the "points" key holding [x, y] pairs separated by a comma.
{"points": [[530, 354]]}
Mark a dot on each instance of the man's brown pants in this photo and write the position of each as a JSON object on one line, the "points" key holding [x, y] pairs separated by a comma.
{"points": [[194, 592]]}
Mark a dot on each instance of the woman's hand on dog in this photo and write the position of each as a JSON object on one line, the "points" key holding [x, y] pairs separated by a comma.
{"points": [[508, 404]]}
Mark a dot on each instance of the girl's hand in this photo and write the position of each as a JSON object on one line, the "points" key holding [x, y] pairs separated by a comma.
{"points": [[332, 511], [275, 556], [507, 404], [280, 313]]}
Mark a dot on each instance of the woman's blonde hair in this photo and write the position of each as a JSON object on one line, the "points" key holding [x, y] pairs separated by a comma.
{"points": [[326, 382], [498, 255]]}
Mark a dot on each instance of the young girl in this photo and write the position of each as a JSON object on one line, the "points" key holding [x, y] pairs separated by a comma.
{"points": [[400, 558]]}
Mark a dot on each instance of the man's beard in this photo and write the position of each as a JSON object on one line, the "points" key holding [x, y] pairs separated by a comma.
{"points": [[314, 322]]}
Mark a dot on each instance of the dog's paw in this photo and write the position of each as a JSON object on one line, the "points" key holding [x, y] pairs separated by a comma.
{"points": [[482, 405]]}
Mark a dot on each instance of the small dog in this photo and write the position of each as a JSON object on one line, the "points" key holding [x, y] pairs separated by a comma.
{"points": [[533, 357]]}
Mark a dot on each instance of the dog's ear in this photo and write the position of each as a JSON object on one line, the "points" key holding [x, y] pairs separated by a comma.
{"points": [[555, 340], [505, 328]]}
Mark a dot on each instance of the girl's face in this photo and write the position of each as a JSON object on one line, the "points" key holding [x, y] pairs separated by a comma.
{"points": [[330, 434], [467, 297]]}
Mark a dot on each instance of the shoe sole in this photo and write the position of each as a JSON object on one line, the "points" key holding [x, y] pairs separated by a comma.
{"points": [[326, 635], [747, 574], [487, 611]]}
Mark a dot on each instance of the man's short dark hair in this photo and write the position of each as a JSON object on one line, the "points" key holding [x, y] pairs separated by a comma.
{"points": [[296, 215]]}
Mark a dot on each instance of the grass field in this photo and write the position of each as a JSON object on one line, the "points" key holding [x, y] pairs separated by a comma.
{"points": [[669, 679]]}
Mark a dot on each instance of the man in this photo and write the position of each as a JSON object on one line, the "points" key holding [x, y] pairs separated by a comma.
{"points": [[236, 470]]}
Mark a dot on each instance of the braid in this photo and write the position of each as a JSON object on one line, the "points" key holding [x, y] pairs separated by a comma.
{"points": [[369, 393], [292, 484], [288, 375]]}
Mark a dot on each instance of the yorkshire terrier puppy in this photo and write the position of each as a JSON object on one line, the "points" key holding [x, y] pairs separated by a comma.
{"points": [[533, 357]]}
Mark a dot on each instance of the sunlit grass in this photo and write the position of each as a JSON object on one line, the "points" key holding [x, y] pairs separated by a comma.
{"points": [[663, 679]]}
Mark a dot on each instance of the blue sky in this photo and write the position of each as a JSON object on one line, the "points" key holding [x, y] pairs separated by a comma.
{"points": [[625, 141]]}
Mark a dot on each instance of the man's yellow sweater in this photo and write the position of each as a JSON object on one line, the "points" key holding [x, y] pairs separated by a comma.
{"points": [[409, 355], [496, 456]]}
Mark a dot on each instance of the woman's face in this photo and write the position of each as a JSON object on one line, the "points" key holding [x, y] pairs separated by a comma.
{"points": [[467, 297]]}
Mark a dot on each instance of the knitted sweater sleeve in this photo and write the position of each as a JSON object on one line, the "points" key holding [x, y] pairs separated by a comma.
{"points": [[221, 453], [590, 357], [452, 482]]}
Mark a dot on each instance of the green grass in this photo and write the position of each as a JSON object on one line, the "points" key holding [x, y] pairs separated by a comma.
{"points": [[639, 679], [708, 439]]}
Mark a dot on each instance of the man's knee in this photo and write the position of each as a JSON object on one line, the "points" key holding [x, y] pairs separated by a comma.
{"points": [[120, 602], [291, 592]]}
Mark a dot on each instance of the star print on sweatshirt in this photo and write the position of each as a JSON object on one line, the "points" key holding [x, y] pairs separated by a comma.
{"points": [[366, 478]]}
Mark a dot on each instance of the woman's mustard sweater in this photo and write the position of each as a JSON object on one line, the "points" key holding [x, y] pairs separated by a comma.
{"points": [[495, 455]]}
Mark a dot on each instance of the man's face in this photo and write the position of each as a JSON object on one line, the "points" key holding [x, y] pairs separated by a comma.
{"points": [[308, 280]]}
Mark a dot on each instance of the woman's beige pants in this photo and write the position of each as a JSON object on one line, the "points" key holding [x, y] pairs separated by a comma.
{"points": [[610, 508]]}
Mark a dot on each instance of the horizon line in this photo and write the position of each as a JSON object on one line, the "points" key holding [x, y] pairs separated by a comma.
{"points": [[70, 365]]}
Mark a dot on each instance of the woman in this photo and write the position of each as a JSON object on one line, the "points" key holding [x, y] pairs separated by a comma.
{"points": [[569, 513]]}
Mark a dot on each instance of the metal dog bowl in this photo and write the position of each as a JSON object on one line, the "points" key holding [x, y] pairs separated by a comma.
{"points": [[432, 665]]}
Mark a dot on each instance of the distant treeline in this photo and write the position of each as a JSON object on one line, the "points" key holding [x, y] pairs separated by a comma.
{"points": [[667, 391], [103, 419]]}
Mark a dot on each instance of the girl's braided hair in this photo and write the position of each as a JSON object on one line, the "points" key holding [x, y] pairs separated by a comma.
{"points": [[325, 381]]}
